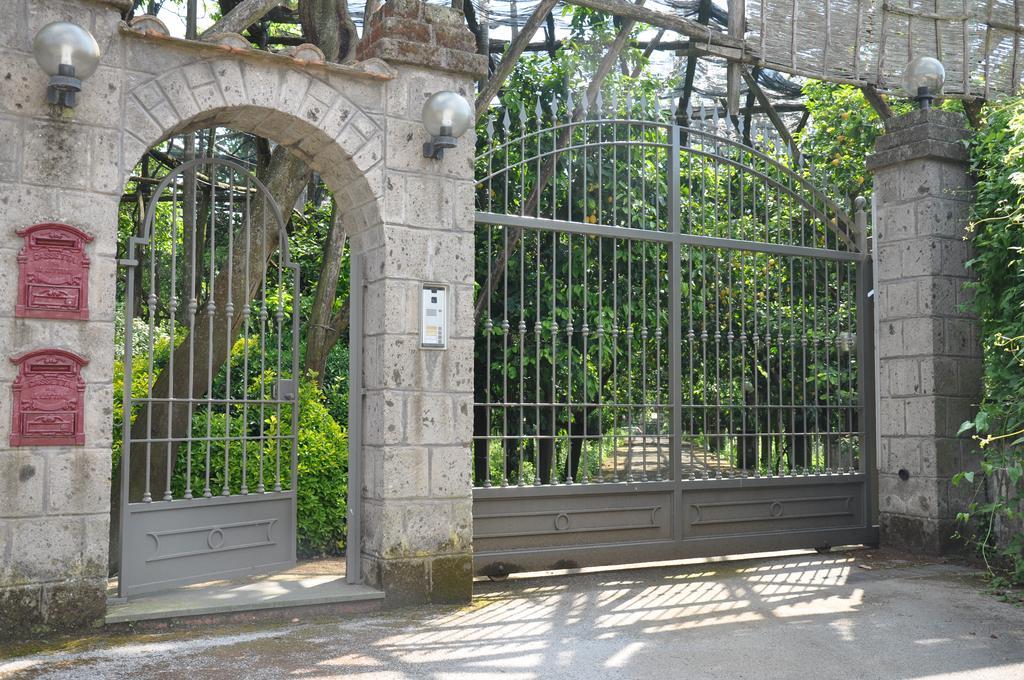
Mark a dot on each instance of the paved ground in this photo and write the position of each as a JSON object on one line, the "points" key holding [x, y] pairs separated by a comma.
{"points": [[846, 615]]}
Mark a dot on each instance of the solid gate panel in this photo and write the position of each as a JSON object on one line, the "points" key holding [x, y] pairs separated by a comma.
{"points": [[577, 517], [175, 542], [719, 510]]}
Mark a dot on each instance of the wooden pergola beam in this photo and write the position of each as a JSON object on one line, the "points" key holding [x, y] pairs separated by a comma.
{"points": [[773, 115], [877, 101], [683, 26], [509, 59]]}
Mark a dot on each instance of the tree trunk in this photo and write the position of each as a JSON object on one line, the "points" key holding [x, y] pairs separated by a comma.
{"points": [[319, 329], [328, 25]]}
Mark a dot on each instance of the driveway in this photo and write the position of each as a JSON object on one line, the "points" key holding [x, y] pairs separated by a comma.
{"points": [[859, 614]]}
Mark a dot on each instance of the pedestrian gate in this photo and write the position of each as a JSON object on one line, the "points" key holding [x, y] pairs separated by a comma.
{"points": [[208, 469], [674, 347]]}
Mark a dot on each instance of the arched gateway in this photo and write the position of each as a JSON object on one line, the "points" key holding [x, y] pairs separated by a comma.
{"points": [[359, 127]]}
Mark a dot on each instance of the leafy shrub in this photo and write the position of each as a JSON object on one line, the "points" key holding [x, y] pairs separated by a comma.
{"points": [[997, 224]]}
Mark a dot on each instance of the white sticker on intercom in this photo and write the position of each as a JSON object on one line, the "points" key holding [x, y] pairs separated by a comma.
{"points": [[434, 321]]}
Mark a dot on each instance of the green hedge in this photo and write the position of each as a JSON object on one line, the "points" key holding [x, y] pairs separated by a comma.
{"points": [[997, 229]]}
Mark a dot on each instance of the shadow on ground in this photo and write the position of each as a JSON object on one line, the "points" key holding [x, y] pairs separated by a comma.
{"points": [[846, 615]]}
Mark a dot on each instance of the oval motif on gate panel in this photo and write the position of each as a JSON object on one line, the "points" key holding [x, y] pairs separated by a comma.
{"points": [[562, 521], [215, 539], [775, 509]]}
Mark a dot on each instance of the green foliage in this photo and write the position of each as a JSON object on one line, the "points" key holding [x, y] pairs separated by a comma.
{"points": [[843, 130], [322, 463], [997, 228]]}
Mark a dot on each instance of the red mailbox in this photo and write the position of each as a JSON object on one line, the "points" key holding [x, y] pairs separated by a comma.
{"points": [[49, 399], [53, 272]]}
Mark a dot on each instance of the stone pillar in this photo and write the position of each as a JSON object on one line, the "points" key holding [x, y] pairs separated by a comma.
{"points": [[418, 403], [929, 350], [57, 167]]}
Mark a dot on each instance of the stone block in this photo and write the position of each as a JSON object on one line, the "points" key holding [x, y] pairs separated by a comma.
{"points": [[451, 472], [918, 534], [10, 153], [178, 92], [937, 295], [403, 28], [22, 611], [917, 495], [451, 579], [921, 258], [901, 453], [941, 217], [105, 162], [384, 418], [60, 153], [428, 527], [955, 254], [969, 376], [902, 377], [453, 36], [95, 215], [369, 155], [430, 418], [429, 202], [429, 255], [73, 604], [405, 152], [463, 301], [925, 416], [407, 9], [961, 338], [391, 533], [923, 336], [23, 205], [404, 472], [891, 416], [78, 481], [938, 376], [22, 478], [47, 549], [405, 582], [889, 261], [898, 299], [96, 545], [100, 97]]}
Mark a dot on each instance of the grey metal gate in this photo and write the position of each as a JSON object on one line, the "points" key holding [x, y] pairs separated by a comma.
{"points": [[674, 351], [209, 443]]}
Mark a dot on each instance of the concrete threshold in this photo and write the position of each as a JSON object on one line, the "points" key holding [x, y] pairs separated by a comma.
{"points": [[306, 584]]}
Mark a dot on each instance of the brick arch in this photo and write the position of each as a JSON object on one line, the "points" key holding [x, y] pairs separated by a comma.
{"points": [[309, 113]]}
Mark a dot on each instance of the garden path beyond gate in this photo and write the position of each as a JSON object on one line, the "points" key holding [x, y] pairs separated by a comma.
{"points": [[208, 476], [674, 346]]}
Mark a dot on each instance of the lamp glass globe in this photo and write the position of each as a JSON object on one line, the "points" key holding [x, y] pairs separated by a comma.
{"points": [[924, 72], [65, 43], [447, 109]]}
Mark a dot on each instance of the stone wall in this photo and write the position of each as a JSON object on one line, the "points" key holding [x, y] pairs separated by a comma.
{"points": [[929, 349], [411, 218]]}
